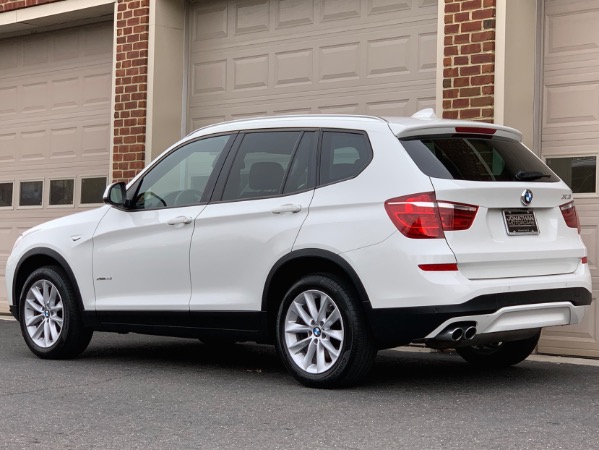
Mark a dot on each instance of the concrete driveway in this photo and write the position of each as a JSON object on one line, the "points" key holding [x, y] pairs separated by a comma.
{"points": [[140, 392]]}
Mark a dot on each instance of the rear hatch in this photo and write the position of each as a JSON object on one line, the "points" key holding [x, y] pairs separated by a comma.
{"points": [[524, 221]]}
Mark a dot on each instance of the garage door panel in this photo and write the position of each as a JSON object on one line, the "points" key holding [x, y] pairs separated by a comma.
{"points": [[570, 128], [387, 101], [55, 102], [216, 25], [82, 141], [364, 60], [49, 94]]}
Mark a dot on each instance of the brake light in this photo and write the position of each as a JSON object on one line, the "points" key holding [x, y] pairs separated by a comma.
{"points": [[475, 130], [420, 216], [570, 216]]}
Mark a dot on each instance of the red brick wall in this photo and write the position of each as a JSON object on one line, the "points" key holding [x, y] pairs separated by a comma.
{"points": [[132, 28], [469, 60], [10, 5]]}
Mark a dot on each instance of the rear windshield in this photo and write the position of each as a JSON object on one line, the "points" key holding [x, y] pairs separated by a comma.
{"points": [[476, 158]]}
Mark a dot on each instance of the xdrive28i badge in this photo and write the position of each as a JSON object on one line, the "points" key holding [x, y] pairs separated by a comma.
{"points": [[526, 197]]}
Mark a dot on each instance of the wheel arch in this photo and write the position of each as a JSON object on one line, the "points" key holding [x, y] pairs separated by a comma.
{"points": [[299, 263], [34, 259]]}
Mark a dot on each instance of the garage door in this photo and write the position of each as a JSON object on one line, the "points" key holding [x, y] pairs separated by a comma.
{"points": [[54, 127], [304, 56], [570, 140]]}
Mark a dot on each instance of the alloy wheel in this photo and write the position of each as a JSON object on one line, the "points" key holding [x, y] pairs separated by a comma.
{"points": [[44, 313], [314, 331]]}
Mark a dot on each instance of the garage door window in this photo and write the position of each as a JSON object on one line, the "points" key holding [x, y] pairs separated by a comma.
{"points": [[30, 193], [578, 172], [61, 192], [6, 195], [92, 190]]}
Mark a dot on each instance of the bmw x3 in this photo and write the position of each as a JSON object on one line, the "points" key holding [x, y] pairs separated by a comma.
{"points": [[330, 236]]}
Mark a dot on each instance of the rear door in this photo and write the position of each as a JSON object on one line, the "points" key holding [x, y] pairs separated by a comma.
{"points": [[526, 223], [259, 205]]}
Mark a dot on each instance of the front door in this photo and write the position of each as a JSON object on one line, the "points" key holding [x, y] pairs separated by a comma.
{"points": [[141, 252]]}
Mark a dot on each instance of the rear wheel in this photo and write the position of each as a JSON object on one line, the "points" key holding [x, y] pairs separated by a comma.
{"points": [[499, 354], [50, 317], [321, 334]]}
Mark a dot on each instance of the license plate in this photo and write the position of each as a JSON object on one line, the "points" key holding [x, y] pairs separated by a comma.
{"points": [[520, 221]]}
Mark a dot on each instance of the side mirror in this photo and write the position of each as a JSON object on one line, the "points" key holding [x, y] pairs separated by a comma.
{"points": [[116, 194]]}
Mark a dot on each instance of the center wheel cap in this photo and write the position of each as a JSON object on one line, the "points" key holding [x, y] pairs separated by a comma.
{"points": [[317, 332]]}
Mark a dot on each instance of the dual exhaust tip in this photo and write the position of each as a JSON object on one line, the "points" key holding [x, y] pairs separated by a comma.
{"points": [[457, 333]]}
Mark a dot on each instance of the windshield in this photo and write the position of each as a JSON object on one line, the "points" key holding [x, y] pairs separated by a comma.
{"points": [[476, 158]]}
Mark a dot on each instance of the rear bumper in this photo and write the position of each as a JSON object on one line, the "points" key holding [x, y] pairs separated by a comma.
{"points": [[492, 313]]}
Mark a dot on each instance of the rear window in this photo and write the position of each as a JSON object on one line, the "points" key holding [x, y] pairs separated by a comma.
{"points": [[476, 158]]}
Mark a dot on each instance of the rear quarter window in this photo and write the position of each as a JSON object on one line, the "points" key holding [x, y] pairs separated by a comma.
{"points": [[476, 158]]}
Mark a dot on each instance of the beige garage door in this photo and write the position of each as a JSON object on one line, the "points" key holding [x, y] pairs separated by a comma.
{"points": [[570, 140], [305, 56], [54, 127]]}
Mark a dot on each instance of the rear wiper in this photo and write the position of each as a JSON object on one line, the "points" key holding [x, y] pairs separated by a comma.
{"points": [[530, 176]]}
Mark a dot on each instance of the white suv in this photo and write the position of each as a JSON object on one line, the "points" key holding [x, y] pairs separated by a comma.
{"points": [[331, 236]]}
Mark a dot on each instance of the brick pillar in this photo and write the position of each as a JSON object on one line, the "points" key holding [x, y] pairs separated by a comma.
{"points": [[469, 60], [132, 32]]}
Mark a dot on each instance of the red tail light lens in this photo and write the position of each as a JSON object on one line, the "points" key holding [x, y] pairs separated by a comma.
{"points": [[420, 216], [570, 215]]}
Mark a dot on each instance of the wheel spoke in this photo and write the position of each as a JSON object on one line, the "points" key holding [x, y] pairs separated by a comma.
{"points": [[57, 320], [320, 358], [311, 304], [333, 317], [46, 333], [37, 294], [330, 348], [38, 331], [53, 297], [309, 355], [335, 334], [46, 286], [299, 310], [34, 320], [322, 312], [299, 345], [53, 330], [297, 328], [34, 305]]}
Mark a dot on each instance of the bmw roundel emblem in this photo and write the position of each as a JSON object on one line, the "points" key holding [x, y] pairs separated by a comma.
{"points": [[526, 197]]}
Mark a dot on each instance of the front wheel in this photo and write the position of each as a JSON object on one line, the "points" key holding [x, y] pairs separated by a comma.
{"points": [[321, 334], [50, 317], [499, 354]]}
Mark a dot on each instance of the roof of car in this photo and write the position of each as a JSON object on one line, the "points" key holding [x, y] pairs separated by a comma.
{"points": [[423, 122]]}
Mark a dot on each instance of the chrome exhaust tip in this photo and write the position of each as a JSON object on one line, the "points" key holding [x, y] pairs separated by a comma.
{"points": [[469, 333]]}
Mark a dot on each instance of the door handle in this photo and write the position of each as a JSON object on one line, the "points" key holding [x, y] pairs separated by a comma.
{"points": [[180, 220], [288, 208]]}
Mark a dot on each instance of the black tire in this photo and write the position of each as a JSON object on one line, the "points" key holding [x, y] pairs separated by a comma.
{"points": [[72, 337], [500, 354], [355, 353]]}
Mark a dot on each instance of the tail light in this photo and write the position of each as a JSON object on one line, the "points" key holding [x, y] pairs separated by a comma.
{"points": [[421, 216], [570, 215]]}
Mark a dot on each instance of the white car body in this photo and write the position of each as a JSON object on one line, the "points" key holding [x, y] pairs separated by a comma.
{"points": [[219, 257]]}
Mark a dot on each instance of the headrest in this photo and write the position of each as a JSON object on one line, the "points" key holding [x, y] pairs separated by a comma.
{"points": [[266, 176]]}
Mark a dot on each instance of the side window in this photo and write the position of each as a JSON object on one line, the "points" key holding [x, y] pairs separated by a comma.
{"points": [[181, 178], [344, 155], [263, 161]]}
